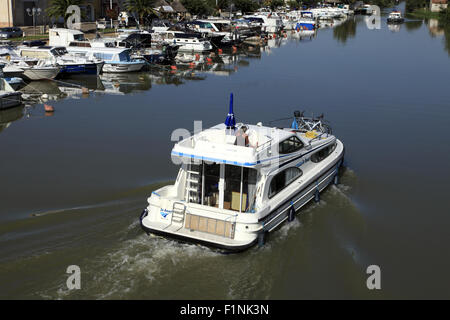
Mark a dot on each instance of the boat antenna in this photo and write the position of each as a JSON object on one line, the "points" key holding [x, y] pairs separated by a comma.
{"points": [[230, 121]]}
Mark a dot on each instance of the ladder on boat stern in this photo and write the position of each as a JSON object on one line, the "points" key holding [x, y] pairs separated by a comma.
{"points": [[193, 183], [178, 211]]}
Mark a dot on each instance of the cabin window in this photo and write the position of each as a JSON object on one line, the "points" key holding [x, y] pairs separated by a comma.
{"points": [[290, 145], [103, 56], [240, 188], [282, 179], [79, 37], [323, 153]]}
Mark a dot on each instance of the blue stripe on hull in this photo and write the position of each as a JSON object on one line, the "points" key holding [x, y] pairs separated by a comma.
{"points": [[305, 26], [79, 69]]}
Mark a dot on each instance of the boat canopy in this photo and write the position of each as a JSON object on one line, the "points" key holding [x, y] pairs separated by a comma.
{"points": [[246, 145]]}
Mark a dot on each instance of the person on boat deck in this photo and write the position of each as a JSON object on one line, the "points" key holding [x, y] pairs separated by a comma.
{"points": [[242, 138]]}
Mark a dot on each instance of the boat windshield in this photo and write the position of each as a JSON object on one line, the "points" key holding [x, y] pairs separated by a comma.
{"points": [[125, 56], [255, 20], [57, 52]]}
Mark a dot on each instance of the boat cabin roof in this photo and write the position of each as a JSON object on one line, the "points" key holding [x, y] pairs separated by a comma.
{"points": [[221, 144], [64, 30]]}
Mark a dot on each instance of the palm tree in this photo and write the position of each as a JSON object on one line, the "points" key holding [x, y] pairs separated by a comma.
{"points": [[58, 8], [141, 8]]}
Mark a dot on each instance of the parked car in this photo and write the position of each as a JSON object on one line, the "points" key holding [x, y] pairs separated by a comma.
{"points": [[10, 32]]}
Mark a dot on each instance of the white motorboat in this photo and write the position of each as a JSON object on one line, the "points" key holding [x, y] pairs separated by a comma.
{"points": [[269, 23], [395, 17], [11, 71], [117, 60], [70, 64], [217, 28], [188, 42], [8, 97], [43, 70], [239, 182]]}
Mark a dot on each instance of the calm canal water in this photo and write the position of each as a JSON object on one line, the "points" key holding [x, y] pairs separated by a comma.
{"points": [[73, 184]]}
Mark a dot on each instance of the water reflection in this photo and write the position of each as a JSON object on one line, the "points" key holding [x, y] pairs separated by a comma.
{"points": [[413, 25], [125, 82], [436, 29], [195, 67], [395, 27], [345, 31], [41, 91], [9, 115]]}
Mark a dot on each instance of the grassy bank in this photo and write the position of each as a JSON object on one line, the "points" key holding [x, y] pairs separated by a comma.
{"points": [[423, 14], [28, 38]]}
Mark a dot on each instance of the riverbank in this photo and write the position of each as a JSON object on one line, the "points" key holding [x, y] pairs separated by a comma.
{"points": [[423, 14]]}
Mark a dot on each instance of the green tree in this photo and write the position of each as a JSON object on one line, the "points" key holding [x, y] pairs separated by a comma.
{"points": [[309, 3], [276, 3], [58, 8], [198, 7], [412, 5], [444, 16], [141, 8], [344, 31], [246, 5], [293, 4]]}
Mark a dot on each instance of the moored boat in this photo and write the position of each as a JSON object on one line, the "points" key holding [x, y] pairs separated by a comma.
{"points": [[8, 97], [395, 17], [70, 64], [39, 71]]}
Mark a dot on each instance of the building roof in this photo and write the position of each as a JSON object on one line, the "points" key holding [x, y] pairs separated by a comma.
{"points": [[439, 1]]}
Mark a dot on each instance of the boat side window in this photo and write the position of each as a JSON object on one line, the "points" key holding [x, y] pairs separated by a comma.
{"points": [[282, 179], [79, 37], [290, 145], [103, 56], [323, 153]]}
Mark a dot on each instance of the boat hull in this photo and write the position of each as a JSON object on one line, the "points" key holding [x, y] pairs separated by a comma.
{"points": [[246, 234], [37, 73], [84, 68], [395, 20], [9, 99], [305, 26], [123, 67]]}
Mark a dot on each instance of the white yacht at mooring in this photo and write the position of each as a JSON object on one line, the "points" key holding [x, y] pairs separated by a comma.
{"points": [[238, 182]]}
